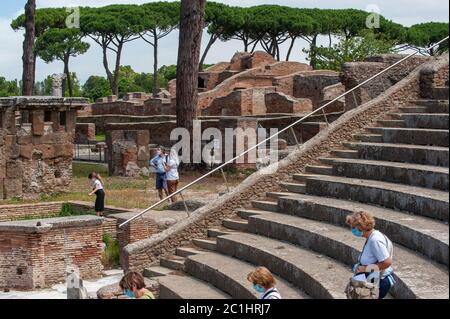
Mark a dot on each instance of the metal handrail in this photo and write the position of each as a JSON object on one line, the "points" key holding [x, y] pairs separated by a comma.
{"points": [[279, 132]]}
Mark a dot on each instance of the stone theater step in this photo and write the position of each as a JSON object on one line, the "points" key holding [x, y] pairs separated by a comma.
{"points": [[175, 263], [238, 225], [317, 275], [420, 201], [392, 123], [393, 172], [230, 275], [185, 287], [294, 187], [157, 271], [265, 205], [424, 120], [340, 244], [419, 154], [440, 93], [434, 106], [428, 236], [187, 251], [413, 109], [411, 135], [205, 244], [246, 213]]}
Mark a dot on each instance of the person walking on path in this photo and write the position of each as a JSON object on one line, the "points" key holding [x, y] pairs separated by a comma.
{"points": [[97, 186], [172, 175], [159, 162]]}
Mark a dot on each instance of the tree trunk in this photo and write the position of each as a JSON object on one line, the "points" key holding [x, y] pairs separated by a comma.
{"points": [[155, 64], [117, 69], [191, 29], [277, 48], [212, 40], [68, 77], [313, 53], [291, 47], [28, 76], [254, 46], [245, 44], [109, 74]]}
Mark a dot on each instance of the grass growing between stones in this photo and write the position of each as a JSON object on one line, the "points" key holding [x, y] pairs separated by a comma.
{"points": [[111, 253]]}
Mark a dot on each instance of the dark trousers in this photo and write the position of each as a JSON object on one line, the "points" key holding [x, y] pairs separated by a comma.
{"points": [[385, 286]]}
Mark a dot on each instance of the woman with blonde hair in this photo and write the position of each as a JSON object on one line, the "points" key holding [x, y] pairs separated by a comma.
{"points": [[377, 250], [264, 283]]}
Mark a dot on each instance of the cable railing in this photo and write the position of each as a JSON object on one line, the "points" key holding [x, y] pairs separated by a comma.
{"points": [[289, 127]]}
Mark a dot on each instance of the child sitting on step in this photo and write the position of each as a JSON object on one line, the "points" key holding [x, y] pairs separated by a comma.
{"points": [[133, 286]]}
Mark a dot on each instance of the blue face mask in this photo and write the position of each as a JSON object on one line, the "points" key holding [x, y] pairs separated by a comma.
{"points": [[128, 293], [259, 289], [357, 232]]}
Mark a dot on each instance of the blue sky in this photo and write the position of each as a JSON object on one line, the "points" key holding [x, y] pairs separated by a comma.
{"points": [[139, 55]]}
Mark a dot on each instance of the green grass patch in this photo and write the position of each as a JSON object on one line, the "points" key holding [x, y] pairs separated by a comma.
{"points": [[68, 210], [111, 254], [84, 169], [100, 137]]}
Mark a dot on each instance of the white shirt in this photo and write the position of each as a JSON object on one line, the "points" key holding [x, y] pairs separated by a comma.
{"points": [[272, 294], [97, 184], [377, 249], [172, 175]]}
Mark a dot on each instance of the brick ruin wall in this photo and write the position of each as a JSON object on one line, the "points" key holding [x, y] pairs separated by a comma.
{"points": [[101, 121], [149, 251], [33, 257]]}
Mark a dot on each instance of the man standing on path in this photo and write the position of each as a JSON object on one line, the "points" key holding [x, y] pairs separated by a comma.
{"points": [[158, 162]]}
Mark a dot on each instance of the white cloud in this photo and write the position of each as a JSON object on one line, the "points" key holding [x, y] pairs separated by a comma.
{"points": [[139, 55]]}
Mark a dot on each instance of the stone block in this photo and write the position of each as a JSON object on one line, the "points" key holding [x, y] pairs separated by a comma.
{"points": [[143, 138], [63, 150], [143, 154], [55, 120], [12, 188], [26, 151], [71, 120], [14, 169], [37, 122]]}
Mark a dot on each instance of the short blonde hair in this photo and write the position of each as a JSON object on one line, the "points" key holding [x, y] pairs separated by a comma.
{"points": [[263, 277], [362, 220]]}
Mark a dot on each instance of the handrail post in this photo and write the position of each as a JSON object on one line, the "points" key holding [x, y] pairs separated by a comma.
{"points": [[185, 205], [325, 116], [295, 138], [355, 100], [225, 178]]}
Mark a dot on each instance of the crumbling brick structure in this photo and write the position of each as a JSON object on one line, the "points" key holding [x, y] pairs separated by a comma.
{"points": [[36, 145], [37, 255]]}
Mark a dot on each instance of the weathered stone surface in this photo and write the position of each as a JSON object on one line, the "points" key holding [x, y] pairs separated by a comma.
{"points": [[41, 151], [192, 205]]}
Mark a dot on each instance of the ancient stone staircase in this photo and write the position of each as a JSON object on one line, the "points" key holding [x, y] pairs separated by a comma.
{"points": [[398, 171]]}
